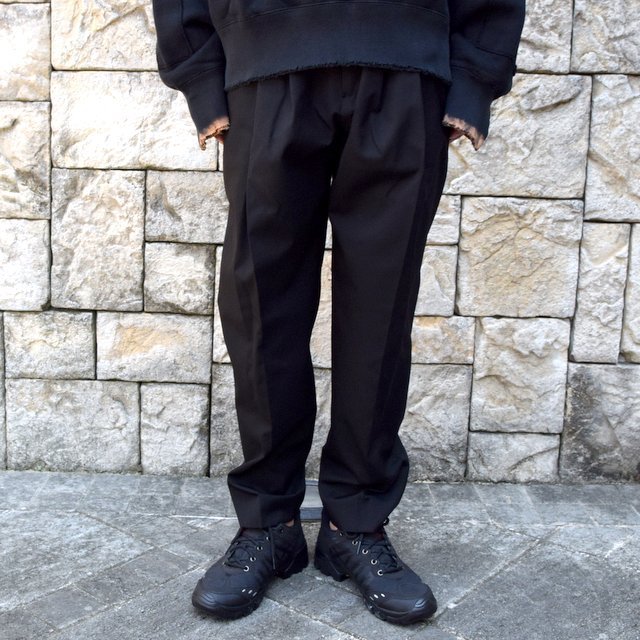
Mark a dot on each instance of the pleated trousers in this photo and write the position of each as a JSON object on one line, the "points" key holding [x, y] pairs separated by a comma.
{"points": [[361, 147]]}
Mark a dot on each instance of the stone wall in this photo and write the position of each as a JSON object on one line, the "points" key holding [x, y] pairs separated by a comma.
{"points": [[527, 335]]}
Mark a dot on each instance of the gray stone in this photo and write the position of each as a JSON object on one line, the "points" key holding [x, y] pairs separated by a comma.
{"points": [[71, 425], [519, 375], [24, 264], [64, 607], [605, 36], [97, 239], [603, 272], [178, 277], [601, 440], [24, 160], [518, 257], [174, 428], [20, 624], [220, 353], [323, 421], [120, 120], [51, 344], [613, 178], [630, 346], [440, 340], [321, 334], [437, 281], [445, 228], [225, 446], [537, 144], [24, 64], [154, 347], [186, 206], [3, 439], [513, 457], [434, 430]]}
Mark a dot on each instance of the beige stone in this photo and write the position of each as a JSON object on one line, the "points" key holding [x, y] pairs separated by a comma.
{"points": [[323, 421], [440, 340], [51, 344], [178, 277], [174, 429], [154, 347], [613, 179], [445, 228], [97, 239], [518, 257], [519, 375], [321, 335], [3, 439], [537, 144], [437, 281], [24, 264], [186, 206], [630, 346], [24, 52], [118, 34], [72, 425], [24, 160], [119, 120], [603, 272]]}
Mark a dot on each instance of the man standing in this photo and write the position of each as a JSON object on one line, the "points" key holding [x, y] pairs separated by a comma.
{"points": [[337, 110]]}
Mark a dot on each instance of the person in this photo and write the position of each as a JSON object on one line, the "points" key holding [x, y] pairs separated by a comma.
{"points": [[338, 110]]}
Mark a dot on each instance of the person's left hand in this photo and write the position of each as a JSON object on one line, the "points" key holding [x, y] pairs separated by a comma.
{"points": [[217, 129]]}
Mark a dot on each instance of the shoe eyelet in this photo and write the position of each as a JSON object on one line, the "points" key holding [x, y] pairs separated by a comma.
{"points": [[266, 538], [252, 559], [354, 542], [374, 561], [246, 568], [379, 572], [259, 547], [365, 551]]}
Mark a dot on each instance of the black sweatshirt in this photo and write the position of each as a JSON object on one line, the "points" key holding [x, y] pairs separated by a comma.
{"points": [[205, 47]]}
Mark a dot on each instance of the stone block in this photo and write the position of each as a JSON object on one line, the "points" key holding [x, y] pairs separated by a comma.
{"points": [[440, 340], [434, 430], [513, 457], [437, 281], [72, 425], [601, 439], [24, 61], [119, 34], [630, 346], [97, 239], [605, 36], [24, 160], [24, 264], [174, 429], [225, 447], [445, 228], [323, 421], [518, 257], [321, 335], [3, 439], [519, 375], [220, 353], [51, 344], [186, 206], [120, 120], [603, 272], [613, 179], [154, 347], [178, 277], [537, 144]]}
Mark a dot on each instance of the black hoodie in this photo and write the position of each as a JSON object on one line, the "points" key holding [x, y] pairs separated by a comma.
{"points": [[205, 47]]}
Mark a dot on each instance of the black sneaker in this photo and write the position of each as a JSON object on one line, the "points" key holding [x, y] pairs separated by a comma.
{"points": [[390, 589], [234, 585]]}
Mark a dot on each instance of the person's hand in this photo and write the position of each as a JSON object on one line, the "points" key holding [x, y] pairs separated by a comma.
{"points": [[217, 129], [454, 134]]}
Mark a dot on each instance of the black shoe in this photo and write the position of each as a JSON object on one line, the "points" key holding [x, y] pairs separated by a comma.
{"points": [[390, 589], [234, 585]]}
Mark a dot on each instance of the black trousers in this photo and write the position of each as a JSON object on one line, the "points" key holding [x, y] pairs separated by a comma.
{"points": [[363, 147]]}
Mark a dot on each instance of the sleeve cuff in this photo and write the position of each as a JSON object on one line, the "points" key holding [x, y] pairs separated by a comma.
{"points": [[206, 98]]}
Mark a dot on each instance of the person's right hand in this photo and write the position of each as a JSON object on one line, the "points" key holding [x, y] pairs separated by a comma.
{"points": [[217, 129]]}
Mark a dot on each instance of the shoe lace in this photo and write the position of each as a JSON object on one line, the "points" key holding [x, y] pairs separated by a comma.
{"points": [[242, 550], [378, 545]]}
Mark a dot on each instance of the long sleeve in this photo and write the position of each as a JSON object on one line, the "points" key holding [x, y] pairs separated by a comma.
{"points": [[191, 58], [484, 39]]}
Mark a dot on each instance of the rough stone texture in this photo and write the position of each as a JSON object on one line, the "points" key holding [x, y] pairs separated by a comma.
{"points": [[3, 440], [630, 346], [186, 206], [435, 424], [24, 160], [507, 457], [119, 120], [437, 281], [24, 52], [601, 439], [220, 353], [546, 37], [537, 144], [178, 277], [97, 239], [24, 264], [445, 228], [154, 347], [323, 421], [613, 179], [51, 344], [605, 36], [174, 429], [72, 425], [603, 273], [519, 375], [119, 34], [518, 257], [438, 340], [321, 335]]}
